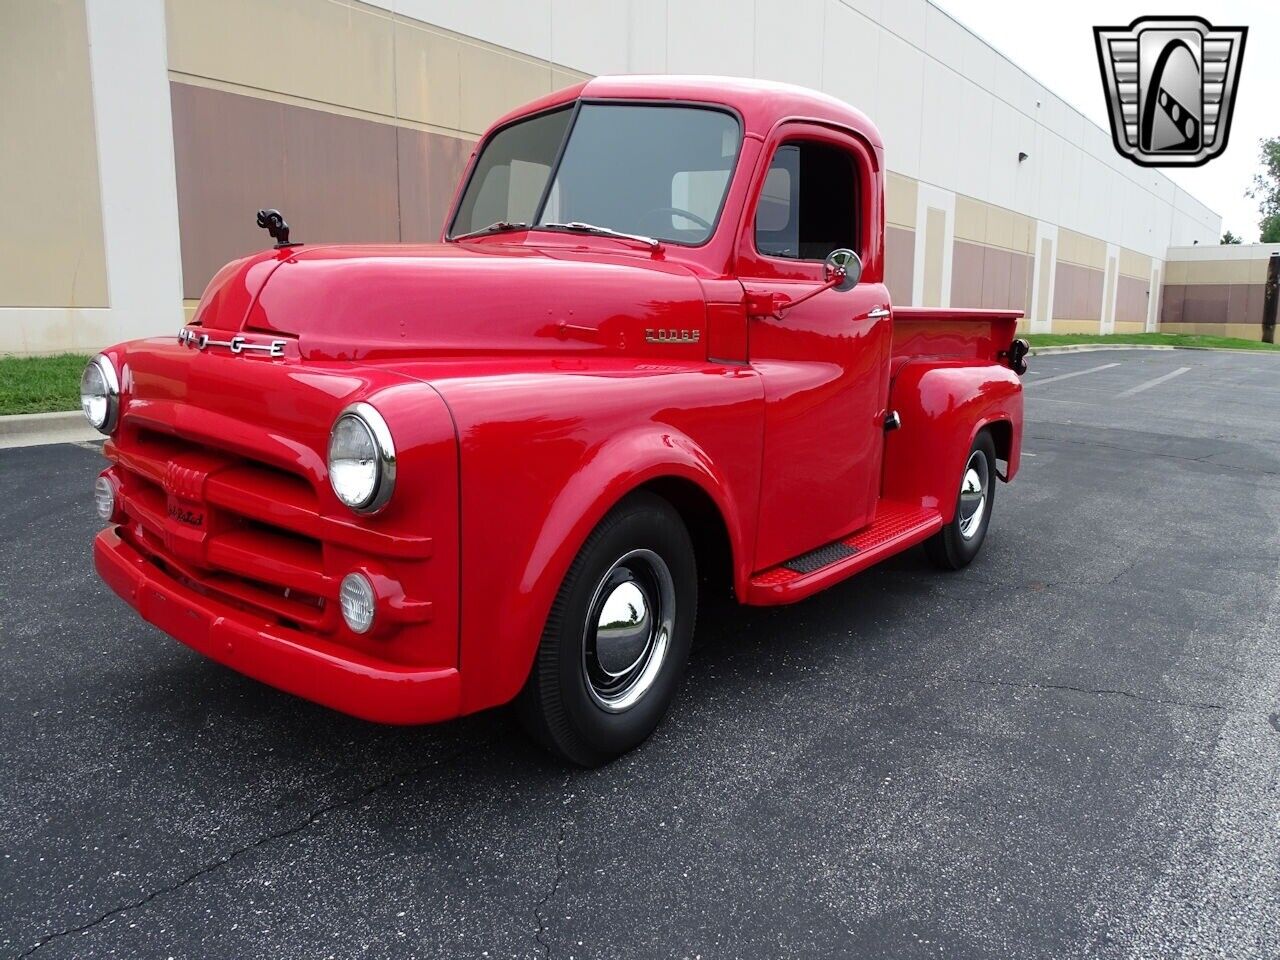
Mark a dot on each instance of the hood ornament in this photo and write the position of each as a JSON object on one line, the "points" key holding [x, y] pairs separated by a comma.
{"points": [[274, 223]]}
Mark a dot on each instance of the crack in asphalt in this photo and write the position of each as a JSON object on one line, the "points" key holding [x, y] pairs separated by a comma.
{"points": [[1098, 691], [562, 871], [311, 818]]}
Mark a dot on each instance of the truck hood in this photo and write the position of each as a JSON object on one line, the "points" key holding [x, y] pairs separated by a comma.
{"points": [[370, 302]]}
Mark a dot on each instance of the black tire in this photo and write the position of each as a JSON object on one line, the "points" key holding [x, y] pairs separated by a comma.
{"points": [[572, 703], [956, 544]]}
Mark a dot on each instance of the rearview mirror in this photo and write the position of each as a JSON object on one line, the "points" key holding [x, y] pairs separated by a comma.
{"points": [[844, 266]]}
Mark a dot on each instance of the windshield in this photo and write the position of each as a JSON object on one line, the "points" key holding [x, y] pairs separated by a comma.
{"points": [[659, 171]]}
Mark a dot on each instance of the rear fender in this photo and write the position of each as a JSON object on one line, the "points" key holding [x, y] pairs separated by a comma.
{"points": [[943, 405]]}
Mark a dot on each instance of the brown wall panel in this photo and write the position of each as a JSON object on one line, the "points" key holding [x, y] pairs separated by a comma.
{"points": [[335, 178], [900, 263], [966, 274], [431, 165], [1171, 303], [1131, 300], [1205, 303], [1077, 292]]}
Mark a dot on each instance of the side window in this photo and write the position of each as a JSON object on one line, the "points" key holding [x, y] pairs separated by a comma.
{"points": [[809, 203]]}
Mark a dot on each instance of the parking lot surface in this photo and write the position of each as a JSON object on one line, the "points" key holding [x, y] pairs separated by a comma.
{"points": [[1071, 748]]}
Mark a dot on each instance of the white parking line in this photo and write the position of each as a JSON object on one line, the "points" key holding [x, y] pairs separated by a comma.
{"points": [[1153, 383], [1068, 376]]}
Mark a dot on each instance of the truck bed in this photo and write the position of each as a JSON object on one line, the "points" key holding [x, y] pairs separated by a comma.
{"points": [[944, 332]]}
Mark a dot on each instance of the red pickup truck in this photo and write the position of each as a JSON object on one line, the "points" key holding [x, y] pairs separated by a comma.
{"points": [[652, 354]]}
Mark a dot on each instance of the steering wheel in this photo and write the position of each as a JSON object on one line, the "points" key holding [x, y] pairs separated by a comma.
{"points": [[680, 212]]}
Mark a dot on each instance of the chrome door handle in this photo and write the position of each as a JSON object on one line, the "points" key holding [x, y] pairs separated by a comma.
{"points": [[878, 313]]}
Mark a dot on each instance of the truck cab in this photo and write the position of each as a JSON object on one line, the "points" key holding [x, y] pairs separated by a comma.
{"points": [[652, 354]]}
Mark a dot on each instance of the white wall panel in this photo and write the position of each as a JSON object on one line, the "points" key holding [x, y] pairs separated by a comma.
{"points": [[789, 42], [906, 18], [940, 127], [590, 36], [899, 115], [647, 36], [851, 58], [953, 111], [710, 36]]}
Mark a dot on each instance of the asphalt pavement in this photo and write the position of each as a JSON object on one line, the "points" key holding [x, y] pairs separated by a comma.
{"points": [[1069, 749]]}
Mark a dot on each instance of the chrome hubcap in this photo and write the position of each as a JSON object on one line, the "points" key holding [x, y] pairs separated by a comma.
{"points": [[973, 494], [628, 630]]}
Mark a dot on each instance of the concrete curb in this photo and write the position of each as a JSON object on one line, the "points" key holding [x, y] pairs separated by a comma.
{"points": [[1093, 347], [34, 429]]}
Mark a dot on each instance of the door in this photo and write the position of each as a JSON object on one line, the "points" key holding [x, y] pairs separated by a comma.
{"points": [[825, 363]]}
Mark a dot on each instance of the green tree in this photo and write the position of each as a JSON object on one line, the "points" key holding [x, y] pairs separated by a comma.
{"points": [[1230, 237], [1266, 190]]}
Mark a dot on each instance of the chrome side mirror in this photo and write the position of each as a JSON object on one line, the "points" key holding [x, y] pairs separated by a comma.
{"points": [[844, 267]]}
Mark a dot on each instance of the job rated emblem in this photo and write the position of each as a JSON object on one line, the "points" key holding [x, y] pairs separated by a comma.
{"points": [[1171, 86]]}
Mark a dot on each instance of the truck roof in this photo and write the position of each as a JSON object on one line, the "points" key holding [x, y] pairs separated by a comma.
{"points": [[761, 103]]}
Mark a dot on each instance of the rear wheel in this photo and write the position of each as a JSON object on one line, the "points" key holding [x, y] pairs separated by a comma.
{"points": [[956, 544], [617, 638]]}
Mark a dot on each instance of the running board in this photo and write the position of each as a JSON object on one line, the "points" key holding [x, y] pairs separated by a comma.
{"points": [[896, 527]]}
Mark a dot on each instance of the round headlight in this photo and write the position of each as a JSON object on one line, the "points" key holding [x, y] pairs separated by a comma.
{"points": [[362, 459], [356, 598], [100, 394]]}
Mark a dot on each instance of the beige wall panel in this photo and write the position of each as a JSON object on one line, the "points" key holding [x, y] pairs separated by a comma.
{"points": [[51, 242], [1217, 271], [494, 83], [1076, 248], [1258, 270], [1241, 331], [1175, 272], [1075, 326], [320, 50], [428, 66], [935, 227], [971, 219], [1135, 264], [1024, 233], [1130, 326], [900, 201], [999, 227], [561, 78]]}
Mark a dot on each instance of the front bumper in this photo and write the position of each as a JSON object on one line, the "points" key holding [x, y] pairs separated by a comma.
{"points": [[302, 664]]}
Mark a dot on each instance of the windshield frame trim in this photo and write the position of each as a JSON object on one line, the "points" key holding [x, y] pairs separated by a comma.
{"points": [[576, 107]]}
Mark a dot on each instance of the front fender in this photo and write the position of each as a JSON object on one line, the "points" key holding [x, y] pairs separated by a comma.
{"points": [[943, 405], [545, 455]]}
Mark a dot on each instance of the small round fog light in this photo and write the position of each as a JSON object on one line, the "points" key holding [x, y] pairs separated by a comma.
{"points": [[104, 499], [357, 601]]}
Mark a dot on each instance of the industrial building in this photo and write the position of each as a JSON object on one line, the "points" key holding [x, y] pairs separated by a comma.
{"points": [[141, 137]]}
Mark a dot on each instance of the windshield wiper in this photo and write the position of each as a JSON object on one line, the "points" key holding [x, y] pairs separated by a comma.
{"points": [[502, 226], [577, 226]]}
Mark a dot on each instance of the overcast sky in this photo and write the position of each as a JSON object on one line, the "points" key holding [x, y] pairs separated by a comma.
{"points": [[1054, 43]]}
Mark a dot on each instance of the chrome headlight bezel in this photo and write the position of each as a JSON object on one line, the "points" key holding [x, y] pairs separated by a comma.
{"points": [[384, 479], [111, 394]]}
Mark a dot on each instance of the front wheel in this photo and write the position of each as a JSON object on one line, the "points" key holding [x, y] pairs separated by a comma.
{"points": [[956, 544], [617, 638]]}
